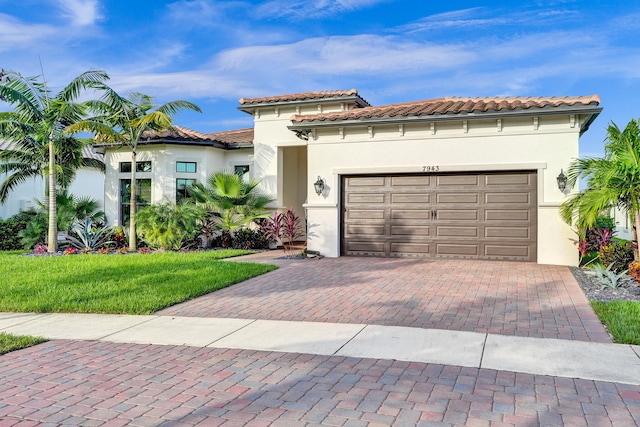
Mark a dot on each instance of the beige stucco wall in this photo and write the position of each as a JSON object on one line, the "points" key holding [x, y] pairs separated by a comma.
{"points": [[482, 146], [87, 183]]}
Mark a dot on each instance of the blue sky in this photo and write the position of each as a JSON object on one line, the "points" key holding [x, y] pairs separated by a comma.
{"points": [[214, 52]]}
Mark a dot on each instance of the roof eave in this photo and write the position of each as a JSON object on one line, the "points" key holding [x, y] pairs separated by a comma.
{"points": [[591, 110], [249, 108]]}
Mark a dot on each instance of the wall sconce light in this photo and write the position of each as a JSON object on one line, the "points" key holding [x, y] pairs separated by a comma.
{"points": [[319, 186], [562, 181]]}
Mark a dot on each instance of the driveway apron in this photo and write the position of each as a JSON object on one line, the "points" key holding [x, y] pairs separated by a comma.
{"points": [[507, 298]]}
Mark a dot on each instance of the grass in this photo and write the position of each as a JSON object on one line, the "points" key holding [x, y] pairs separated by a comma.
{"points": [[622, 319], [122, 284], [10, 342]]}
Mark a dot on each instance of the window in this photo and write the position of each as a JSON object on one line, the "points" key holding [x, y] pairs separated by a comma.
{"points": [[143, 197], [243, 172], [140, 166], [188, 167], [182, 188]]}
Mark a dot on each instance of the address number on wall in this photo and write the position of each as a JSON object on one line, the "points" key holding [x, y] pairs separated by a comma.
{"points": [[430, 168]]}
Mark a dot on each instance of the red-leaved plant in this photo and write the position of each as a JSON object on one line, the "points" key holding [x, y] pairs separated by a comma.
{"points": [[285, 228]]}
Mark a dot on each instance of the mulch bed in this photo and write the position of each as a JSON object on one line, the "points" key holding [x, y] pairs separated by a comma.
{"points": [[630, 291]]}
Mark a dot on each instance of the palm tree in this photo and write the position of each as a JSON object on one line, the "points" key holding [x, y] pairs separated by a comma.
{"points": [[230, 202], [613, 180], [122, 121], [39, 119]]}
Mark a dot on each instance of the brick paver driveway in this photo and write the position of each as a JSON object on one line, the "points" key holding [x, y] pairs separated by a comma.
{"points": [[106, 384], [509, 298]]}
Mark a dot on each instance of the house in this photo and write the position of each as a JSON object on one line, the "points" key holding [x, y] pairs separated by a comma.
{"points": [[469, 178], [88, 182]]}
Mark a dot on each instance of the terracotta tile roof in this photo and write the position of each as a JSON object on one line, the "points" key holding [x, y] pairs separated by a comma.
{"points": [[178, 132], [239, 136], [450, 106], [302, 96]]}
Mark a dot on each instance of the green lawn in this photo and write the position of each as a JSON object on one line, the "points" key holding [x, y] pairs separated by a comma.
{"points": [[10, 342], [622, 319], [125, 284]]}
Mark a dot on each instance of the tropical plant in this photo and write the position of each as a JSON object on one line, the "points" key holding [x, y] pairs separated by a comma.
{"points": [[72, 208], [285, 228], [37, 129], [230, 203], [617, 254], [169, 227], [122, 120], [613, 180], [609, 278], [247, 238], [86, 237]]}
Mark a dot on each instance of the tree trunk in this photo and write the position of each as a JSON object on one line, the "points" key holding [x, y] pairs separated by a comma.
{"points": [[634, 233], [133, 194], [52, 233]]}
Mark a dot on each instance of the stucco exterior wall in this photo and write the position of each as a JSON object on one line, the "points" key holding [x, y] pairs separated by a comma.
{"points": [[88, 183], [450, 147]]}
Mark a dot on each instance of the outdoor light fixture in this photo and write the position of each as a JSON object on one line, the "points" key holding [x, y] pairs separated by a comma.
{"points": [[562, 181], [319, 186]]}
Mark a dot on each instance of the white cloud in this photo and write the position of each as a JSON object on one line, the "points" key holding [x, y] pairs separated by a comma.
{"points": [[82, 12], [304, 9], [15, 33], [352, 55]]}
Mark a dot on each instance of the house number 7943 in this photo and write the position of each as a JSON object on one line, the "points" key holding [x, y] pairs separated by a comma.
{"points": [[430, 168]]}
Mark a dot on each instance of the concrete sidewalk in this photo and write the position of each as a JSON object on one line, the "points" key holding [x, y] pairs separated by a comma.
{"points": [[554, 357]]}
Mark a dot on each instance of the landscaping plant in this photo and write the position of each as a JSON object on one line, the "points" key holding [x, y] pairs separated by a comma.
{"points": [[36, 130], [617, 254], [85, 237], [285, 228], [230, 204], [613, 180], [168, 226]]}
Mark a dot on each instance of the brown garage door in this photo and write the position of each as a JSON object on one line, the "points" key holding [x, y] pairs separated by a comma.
{"points": [[462, 215]]}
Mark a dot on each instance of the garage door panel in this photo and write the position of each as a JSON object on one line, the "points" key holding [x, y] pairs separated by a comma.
{"points": [[456, 180], [508, 232], [365, 214], [366, 230], [447, 249], [411, 198], [367, 247], [456, 198], [409, 248], [509, 179], [469, 215], [411, 230], [364, 198], [448, 231], [504, 251], [507, 215], [457, 215], [411, 181], [410, 214], [366, 182], [508, 198]]}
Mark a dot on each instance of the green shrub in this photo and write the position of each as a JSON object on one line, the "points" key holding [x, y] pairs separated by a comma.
{"points": [[249, 239], [618, 254], [167, 226], [9, 240], [11, 229]]}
